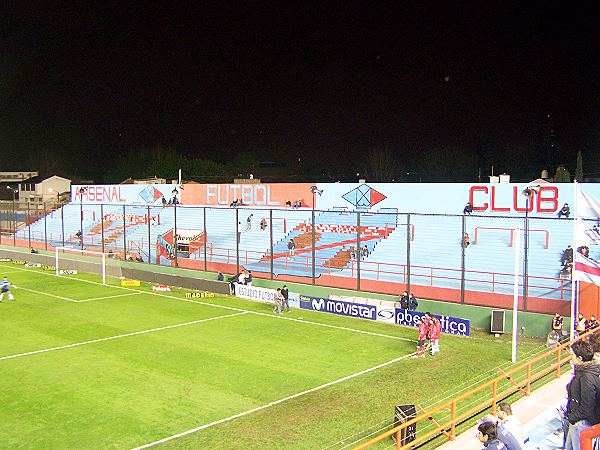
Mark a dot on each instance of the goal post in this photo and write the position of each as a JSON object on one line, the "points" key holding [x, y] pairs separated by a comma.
{"points": [[69, 258]]}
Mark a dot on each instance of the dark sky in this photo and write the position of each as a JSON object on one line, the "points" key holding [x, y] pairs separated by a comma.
{"points": [[288, 81]]}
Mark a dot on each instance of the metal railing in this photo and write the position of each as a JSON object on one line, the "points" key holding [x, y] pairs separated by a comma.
{"points": [[448, 415]]}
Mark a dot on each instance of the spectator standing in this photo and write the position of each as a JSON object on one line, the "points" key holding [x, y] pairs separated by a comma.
{"points": [[249, 278], [239, 232], [510, 422], [557, 326], [249, 222], [163, 201], [468, 208], [564, 211], [286, 296], [263, 224], [567, 256], [404, 300], [583, 393], [413, 303], [291, 248], [278, 299]]}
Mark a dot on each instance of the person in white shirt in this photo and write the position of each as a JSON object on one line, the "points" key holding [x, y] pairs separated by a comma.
{"points": [[510, 422]]}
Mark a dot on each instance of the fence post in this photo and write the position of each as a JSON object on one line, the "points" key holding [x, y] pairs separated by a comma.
{"points": [[407, 280], [175, 243], [528, 388], [14, 221], [462, 258], [124, 235], [205, 238], [45, 228], [149, 235], [80, 219], [558, 362], [28, 222], [238, 237], [101, 225], [271, 240], [358, 250], [62, 225], [313, 244], [453, 421]]}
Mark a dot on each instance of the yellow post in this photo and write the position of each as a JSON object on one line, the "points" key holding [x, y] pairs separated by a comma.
{"points": [[528, 388], [453, 419]]}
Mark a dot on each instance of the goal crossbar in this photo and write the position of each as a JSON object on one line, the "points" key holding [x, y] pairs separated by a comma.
{"points": [[77, 251]]}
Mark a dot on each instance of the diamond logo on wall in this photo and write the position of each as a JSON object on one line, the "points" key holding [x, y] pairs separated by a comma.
{"points": [[150, 194], [364, 196]]}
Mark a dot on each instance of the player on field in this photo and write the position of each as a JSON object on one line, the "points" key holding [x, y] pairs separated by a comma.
{"points": [[4, 289], [435, 329], [422, 340]]}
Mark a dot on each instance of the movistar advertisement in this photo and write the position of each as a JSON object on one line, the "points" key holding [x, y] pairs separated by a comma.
{"points": [[338, 307]]}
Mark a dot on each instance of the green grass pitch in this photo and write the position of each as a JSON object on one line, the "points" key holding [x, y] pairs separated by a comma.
{"points": [[83, 365]]}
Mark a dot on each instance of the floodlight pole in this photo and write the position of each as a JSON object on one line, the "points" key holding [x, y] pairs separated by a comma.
{"points": [[515, 327], [526, 253], [313, 250]]}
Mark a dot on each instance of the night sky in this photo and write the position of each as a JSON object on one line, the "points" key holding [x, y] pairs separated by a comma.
{"points": [[320, 84]]}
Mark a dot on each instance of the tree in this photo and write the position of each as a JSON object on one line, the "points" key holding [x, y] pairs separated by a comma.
{"points": [[382, 164], [562, 175], [579, 168]]}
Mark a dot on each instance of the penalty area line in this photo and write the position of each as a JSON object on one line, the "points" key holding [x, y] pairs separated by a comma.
{"points": [[49, 295], [111, 338], [274, 403]]}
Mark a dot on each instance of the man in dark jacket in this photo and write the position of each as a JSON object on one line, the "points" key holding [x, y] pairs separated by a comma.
{"points": [[412, 303], [286, 298], [404, 300], [583, 393]]}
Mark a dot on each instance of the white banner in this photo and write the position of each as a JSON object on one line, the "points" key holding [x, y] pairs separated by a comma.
{"points": [[263, 294]]}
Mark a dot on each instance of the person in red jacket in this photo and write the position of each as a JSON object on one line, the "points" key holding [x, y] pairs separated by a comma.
{"points": [[434, 335], [422, 340]]}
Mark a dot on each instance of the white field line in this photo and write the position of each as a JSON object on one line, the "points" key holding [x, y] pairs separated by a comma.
{"points": [[109, 296], [231, 308], [111, 338], [276, 402], [49, 295]]}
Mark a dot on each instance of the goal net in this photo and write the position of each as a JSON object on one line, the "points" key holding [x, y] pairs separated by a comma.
{"points": [[70, 261]]}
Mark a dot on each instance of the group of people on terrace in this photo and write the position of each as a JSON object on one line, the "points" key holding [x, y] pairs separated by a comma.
{"points": [[501, 432], [566, 261]]}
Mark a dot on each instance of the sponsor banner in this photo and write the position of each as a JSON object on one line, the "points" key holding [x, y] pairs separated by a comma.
{"points": [[67, 272], [338, 307], [19, 262], [450, 325], [46, 267], [254, 293], [130, 218], [33, 265], [199, 294], [162, 288], [264, 295], [5, 259], [386, 314], [187, 236], [131, 283]]}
